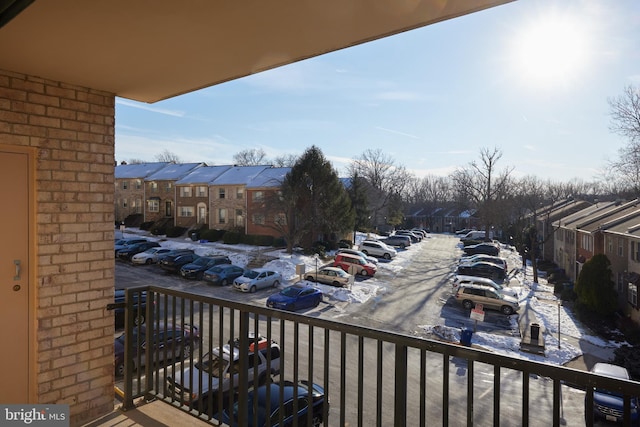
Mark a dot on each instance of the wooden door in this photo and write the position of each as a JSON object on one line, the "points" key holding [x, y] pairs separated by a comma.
{"points": [[15, 286]]}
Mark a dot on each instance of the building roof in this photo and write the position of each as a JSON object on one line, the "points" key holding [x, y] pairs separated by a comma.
{"points": [[239, 175], [268, 178], [573, 220], [173, 171], [203, 175], [138, 170], [628, 225], [153, 50], [618, 210]]}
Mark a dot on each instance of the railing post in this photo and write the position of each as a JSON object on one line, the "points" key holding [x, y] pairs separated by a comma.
{"points": [[127, 401], [243, 375], [400, 408]]}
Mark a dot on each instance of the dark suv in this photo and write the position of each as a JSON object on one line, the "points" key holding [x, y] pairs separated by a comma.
{"points": [[140, 301], [173, 263]]}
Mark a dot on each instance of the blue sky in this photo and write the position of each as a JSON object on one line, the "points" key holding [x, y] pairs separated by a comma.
{"points": [[531, 78]]}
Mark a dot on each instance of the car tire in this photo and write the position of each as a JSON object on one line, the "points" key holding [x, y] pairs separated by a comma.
{"points": [[148, 261], [337, 284], [402, 246], [311, 278], [276, 284], [224, 282], [186, 351], [119, 369], [252, 289], [387, 256], [363, 272], [467, 304], [138, 319], [316, 421], [507, 310], [364, 251]]}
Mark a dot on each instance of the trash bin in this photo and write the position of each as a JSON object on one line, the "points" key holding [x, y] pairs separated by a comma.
{"points": [[535, 331], [465, 337], [195, 236]]}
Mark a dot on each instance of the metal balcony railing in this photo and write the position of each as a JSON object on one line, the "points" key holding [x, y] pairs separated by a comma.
{"points": [[370, 377]]}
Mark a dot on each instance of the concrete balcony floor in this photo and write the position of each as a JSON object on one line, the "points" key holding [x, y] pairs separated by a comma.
{"points": [[151, 414]]}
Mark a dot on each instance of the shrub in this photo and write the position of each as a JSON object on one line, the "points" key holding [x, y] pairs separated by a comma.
{"points": [[212, 235], [175, 231], [146, 225], [231, 238]]}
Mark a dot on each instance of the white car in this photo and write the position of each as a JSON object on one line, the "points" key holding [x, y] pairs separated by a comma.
{"points": [[459, 280], [150, 256], [257, 278], [377, 249]]}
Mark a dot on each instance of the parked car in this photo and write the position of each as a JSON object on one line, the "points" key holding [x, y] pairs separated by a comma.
{"points": [[173, 263], [377, 249], [469, 295], [413, 236], [333, 276], [139, 309], [371, 259], [460, 280], [216, 372], [171, 341], [223, 274], [296, 297], [464, 231], [196, 269], [482, 269], [257, 278], [309, 397], [474, 235], [130, 250], [123, 243], [174, 252], [354, 264], [150, 256], [400, 240], [609, 405], [486, 248], [484, 258]]}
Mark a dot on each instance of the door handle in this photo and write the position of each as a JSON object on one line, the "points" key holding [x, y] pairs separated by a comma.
{"points": [[17, 264]]}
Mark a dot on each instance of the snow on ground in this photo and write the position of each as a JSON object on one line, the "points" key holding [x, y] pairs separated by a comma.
{"points": [[539, 296]]}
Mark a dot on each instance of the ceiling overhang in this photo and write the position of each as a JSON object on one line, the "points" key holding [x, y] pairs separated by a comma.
{"points": [[149, 50]]}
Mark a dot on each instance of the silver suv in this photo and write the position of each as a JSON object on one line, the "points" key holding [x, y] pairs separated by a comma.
{"points": [[198, 386], [377, 249], [469, 295]]}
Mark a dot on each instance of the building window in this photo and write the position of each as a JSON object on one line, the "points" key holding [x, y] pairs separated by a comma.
{"points": [[154, 205], [222, 216], [620, 247], [633, 294], [168, 208], [240, 193], [186, 211], [168, 186], [258, 196], [154, 187], [280, 219], [185, 191], [201, 191], [239, 218], [124, 203], [138, 205], [138, 184], [258, 219], [221, 193], [609, 245], [125, 185]]}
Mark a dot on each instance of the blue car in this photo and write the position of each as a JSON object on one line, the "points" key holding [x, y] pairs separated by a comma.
{"points": [[609, 405], [295, 297], [280, 413], [223, 274]]}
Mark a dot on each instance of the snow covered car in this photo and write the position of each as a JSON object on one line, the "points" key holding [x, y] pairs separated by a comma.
{"points": [[221, 372], [257, 278]]}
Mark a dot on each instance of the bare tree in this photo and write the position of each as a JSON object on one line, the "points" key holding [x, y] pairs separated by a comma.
{"points": [[168, 157], [387, 181], [484, 185], [285, 161], [249, 157], [625, 121]]}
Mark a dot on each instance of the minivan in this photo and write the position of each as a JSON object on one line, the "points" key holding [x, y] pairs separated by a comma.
{"points": [[473, 235], [354, 264]]}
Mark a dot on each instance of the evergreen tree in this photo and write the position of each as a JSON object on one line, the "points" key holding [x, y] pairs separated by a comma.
{"points": [[358, 194], [594, 287]]}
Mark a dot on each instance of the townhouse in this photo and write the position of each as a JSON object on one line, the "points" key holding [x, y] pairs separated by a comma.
{"points": [[192, 201], [160, 190], [262, 220], [129, 192]]}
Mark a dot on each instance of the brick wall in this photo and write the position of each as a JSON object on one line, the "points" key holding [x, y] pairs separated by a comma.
{"points": [[73, 130]]}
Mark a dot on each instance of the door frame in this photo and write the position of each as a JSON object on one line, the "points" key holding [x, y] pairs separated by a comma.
{"points": [[32, 269]]}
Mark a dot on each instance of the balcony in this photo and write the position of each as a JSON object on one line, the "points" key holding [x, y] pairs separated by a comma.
{"points": [[371, 377]]}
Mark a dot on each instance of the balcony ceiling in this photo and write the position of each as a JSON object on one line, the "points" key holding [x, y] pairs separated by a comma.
{"points": [[149, 50]]}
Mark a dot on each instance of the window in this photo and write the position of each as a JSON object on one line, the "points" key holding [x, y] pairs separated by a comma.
{"points": [[186, 211], [620, 247], [620, 282], [609, 245], [154, 187], [124, 203], [185, 191], [222, 216], [634, 253], [258, 196], [258, 219], [239, 218], [221, 193], [632, 295], [168, 208], [280, 219], [168, 186], [125, 185], [201, 191], [154, 205], [240, 193], [138, 184]]}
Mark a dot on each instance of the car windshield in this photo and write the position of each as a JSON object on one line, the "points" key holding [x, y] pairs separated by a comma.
{"points": [[202, 261], [212, 364], [216, 269], [251, 274], [121, 338], [290, 292]]}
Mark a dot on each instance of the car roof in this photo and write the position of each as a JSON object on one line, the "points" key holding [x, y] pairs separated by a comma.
{"points": [[610, 370], [463, 277]]}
